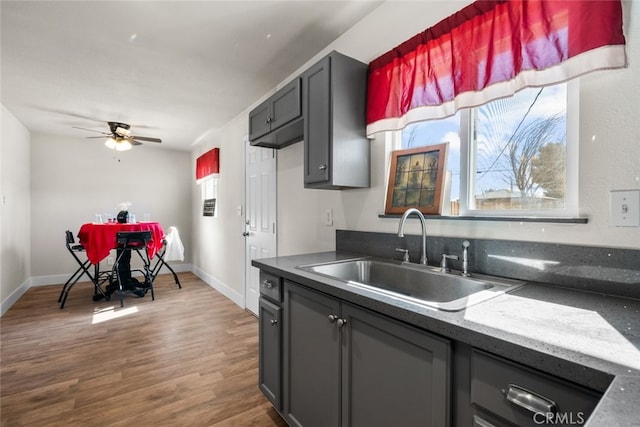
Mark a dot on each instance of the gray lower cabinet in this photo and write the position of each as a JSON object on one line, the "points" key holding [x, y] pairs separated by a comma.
{"points": [[311, 358], [347, 366], [336, 150], [392, 374], [270, 351]]}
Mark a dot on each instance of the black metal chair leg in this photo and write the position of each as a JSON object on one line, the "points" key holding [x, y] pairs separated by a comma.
{"points": [[67, 288], [158, 266], [69, 283], [175, 276]]}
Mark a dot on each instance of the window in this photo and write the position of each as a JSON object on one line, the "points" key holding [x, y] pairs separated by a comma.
{"points": [[209, 194], [515, 156]]}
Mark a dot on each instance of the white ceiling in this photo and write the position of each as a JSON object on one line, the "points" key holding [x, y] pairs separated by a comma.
{"points": [[174, 70]]}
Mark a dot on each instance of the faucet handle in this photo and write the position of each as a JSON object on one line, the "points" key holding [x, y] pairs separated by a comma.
{"points": [[443, 264], [405, 257]]}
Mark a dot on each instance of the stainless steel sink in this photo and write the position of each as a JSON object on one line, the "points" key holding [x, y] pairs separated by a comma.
{"points": [[416, 284]]}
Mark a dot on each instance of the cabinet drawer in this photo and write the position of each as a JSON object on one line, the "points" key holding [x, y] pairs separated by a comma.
{"points": [[527, 397], [270, 287]]}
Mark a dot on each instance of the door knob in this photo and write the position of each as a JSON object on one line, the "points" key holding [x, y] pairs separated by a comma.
{"points": [[333, 318], [274, 322], [245, 233], [322, 166]]}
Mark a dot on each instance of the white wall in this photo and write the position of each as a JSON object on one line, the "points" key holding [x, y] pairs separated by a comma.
{"points": [[609, 161], [218, 243], [15, 209], [74, 178]]}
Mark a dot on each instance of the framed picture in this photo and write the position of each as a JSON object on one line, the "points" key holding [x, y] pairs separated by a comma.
{"points": [[416, 180]]}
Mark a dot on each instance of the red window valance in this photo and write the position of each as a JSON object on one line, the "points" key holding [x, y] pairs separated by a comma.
{"points": [[489, 50], [208, 163]]}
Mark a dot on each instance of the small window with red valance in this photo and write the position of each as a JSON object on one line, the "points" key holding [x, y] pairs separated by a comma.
{"points": [[207, 170]]}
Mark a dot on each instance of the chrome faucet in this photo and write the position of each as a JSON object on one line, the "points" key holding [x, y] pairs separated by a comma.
{"points": [[423, 258]]}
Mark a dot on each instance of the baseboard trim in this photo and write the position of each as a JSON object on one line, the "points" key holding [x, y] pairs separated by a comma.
{"points": [[15, 296], [225, 290]]}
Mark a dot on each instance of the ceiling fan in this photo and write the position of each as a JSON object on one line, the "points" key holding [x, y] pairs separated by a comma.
{"points": [[120, 138]]}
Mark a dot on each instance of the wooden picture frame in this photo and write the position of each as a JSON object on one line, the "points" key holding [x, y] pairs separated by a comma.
{"points": [[416, 180]]}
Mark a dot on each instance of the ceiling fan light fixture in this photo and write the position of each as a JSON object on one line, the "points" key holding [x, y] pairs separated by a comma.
{"points": [[123, 145], [110, 143]]}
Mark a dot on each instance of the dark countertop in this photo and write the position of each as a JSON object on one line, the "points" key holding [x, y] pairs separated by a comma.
{"points": [[588, 338]]}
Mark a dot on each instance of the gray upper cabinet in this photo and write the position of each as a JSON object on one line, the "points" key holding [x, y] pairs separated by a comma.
{"points": [[336, 150], [346, 366], [325, 107], [277, 122]]}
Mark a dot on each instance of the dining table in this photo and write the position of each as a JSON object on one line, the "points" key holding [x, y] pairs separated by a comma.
{"points": [[99, 239]]}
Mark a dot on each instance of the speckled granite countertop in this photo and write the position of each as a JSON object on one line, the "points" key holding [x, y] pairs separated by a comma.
{"points": [[588, 338]]}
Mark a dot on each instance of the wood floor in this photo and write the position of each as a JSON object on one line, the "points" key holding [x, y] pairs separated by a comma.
{"points": [[189, 358]]}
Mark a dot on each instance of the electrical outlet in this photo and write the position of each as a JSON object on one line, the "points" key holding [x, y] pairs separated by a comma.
{"points": [[625, 208], [328, 217], [110, 260]]}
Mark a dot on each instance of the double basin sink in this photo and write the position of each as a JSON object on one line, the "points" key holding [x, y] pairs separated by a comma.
{"points": [[413, 283]]}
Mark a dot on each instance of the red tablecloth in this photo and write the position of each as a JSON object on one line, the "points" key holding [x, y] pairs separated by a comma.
{"points": [[99, 239]]}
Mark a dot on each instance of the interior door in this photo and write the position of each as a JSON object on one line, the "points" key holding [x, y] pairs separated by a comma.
{"points": [[260, 216]]}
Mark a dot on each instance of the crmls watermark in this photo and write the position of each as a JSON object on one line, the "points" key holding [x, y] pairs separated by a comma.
{"points": [[559, 418]]}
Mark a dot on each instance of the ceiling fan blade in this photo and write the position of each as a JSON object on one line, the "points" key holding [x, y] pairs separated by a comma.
{"points": [[92, 130], [134, 142], [100, 137], [146, 138]]}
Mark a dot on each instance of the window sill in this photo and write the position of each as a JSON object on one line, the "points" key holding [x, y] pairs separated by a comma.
{"points": [[559, 220]]}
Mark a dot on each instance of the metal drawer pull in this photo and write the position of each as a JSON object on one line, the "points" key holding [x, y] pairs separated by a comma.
{"points": [[529, 400], [481, 422], [274, 322], [268, 284]]}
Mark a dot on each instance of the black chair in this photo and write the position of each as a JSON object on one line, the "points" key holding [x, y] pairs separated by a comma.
{"points": [[128, 242], [97, 278]]}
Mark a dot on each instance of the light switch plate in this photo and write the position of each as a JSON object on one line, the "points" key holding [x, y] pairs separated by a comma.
{"points": [[328, 217], [625, 208]]}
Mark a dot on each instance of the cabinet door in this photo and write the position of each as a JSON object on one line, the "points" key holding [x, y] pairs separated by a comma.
{"points": [[270, 352], [260, 120], [286, 104], [317, 122], [311, 358], [392, 374]]}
